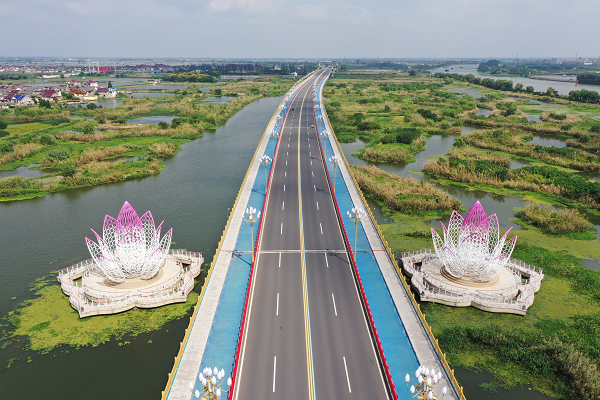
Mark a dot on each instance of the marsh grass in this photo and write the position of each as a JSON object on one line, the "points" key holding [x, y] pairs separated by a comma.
{"points": [[552, 221], [405, 194]]}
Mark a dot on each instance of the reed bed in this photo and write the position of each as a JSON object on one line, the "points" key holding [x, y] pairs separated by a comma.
{"points": [[470, 153], [20, 151], [461, 173], [396, 153], [553, 221], [404, 194], [163, 149]]}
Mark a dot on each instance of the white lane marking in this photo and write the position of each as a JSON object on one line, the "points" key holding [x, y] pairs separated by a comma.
{"points": [[279, 260], [285, 162], [321, 226], [347, 377], [315, 187], [283, 205], [332, 298], [317, 206], [281, 230], [277, 310], [326, 261], [313, 174], [310, 153], [275, 370], [284, 174], [284, 188], [289, 138], [287, 153], [288, 145], [309, 145], [310, 162]]}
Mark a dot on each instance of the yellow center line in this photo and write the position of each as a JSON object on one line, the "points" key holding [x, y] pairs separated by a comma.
{"points": [[309, 364]]}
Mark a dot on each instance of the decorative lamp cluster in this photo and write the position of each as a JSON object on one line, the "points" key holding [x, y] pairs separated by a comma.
{"points": [[427, 379], [212, 381], [130, 246], [472, 247]]}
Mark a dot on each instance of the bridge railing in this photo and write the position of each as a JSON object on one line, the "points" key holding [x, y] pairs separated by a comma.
{"points": [[441, 355]]}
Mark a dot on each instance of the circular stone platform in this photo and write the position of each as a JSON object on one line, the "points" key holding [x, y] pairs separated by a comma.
{"points": [[96, 282], [434, 267]]}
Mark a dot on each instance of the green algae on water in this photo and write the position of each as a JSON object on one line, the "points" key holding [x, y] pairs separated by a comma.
{"points": [[48, 321]]}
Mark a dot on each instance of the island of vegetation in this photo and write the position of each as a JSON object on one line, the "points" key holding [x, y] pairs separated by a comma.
{"points": [[92, 145], [495, 128]]}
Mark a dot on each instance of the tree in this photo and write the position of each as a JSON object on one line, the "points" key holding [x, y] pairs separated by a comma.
{"points": [[3, 125], [518, 87], [218, 92], [551, 92], [412, 72], [529, 89], [110, 84]]}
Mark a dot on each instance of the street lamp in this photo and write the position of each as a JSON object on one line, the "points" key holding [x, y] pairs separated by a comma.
{"points": [[273, 136], [356, 215], [325, 135], [425, 390], [265, 160], [335, 160], [212, 382], [251, 216]]}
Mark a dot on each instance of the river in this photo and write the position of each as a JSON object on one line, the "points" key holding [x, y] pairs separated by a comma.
{"points": [[563, 88], [192, 194]]}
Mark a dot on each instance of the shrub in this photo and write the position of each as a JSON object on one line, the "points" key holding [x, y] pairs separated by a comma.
{"points": [[163, 125], [553, 221], [368, 126], [595, 128], [6, 147], [406, 135], [47, 140], [428, 114], [3, 125], [4, 133], [89, 128], [585, 138], [559, 117], [59, 154]]}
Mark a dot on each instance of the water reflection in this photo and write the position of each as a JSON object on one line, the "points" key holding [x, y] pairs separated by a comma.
{"points": [[150, 120], [547, 141]]}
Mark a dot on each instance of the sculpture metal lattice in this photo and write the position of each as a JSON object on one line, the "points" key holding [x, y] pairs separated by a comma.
{"points": [[472, 247], [130, 246]]}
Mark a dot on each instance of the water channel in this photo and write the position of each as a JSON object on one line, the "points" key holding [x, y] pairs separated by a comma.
{"points": [[563, 88], [192, 194]]}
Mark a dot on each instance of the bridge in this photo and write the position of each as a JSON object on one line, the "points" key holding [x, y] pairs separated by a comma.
{"points": [[302, 314]]}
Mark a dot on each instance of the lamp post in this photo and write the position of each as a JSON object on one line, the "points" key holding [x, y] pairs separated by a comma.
{"points": [[325, 135], [212, 382], [265, 160], [335, 160], [274, 136], [356, 215], [251, 216], [425, 389]]}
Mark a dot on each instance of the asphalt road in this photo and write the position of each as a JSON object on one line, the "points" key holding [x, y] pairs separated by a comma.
{"points": [[306, 335]]}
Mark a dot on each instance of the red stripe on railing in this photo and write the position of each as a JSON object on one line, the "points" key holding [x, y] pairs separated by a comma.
{"points": [[359, 281], [243, 323]]}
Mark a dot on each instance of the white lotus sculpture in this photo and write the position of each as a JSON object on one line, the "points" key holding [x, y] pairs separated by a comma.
{"points": [[129, 246], [472, 247]]}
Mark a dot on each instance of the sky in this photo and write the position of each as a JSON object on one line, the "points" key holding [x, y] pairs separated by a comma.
{"points": [[300, 29]]}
